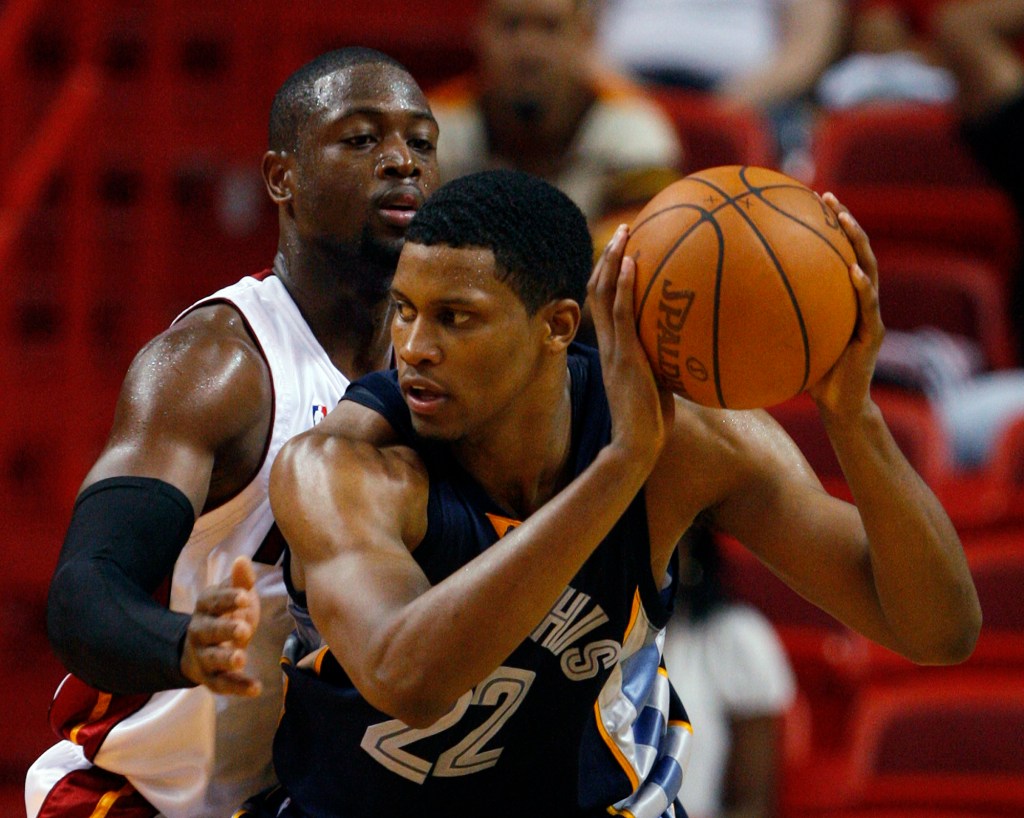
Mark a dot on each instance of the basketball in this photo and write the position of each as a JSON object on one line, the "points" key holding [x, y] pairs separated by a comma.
{"points": [[743, 296]]}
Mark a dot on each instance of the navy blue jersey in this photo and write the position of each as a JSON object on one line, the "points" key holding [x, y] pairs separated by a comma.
{"points": [[577, 719]]}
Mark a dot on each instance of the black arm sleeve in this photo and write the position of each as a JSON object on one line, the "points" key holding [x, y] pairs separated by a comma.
{"points": [[102, 620]]}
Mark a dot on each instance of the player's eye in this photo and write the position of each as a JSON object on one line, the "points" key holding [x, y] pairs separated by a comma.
{"points": [[455, 318], [421, 144], [403, 311], [361, 140]]}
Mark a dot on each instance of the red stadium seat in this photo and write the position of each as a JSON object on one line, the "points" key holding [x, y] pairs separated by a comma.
{"points": [[948, 740], [828, 659], [909, 179], [953, 742], [958, 294], [713, 134], [998, 571]]}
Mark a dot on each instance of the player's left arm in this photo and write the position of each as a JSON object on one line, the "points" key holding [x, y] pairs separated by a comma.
{"points": [[891, 566]]}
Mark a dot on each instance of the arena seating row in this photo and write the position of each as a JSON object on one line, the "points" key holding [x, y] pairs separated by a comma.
{"points": [[874, 729], [945, 741]]}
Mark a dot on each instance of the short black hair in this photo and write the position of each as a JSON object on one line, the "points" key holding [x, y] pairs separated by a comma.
{"points": [[295, 101], [538, 235]]}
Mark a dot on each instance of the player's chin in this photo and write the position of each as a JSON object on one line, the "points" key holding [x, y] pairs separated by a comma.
{"points": [[434, 428], [384, 246]]}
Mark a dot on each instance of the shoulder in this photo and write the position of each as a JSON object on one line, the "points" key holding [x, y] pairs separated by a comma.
{"points": [[205, 365], [208, 351], [348, 461], [325, 484], [194, 409], [357, 444], [734, 448]]}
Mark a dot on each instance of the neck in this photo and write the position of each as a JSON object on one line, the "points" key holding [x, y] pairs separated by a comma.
{"points": [[526, 462], [350, 325]]}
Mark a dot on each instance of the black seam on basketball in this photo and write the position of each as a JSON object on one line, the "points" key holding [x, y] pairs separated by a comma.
{"points": [[714, 314], [733, 201], [758, 191], [704, 216]]}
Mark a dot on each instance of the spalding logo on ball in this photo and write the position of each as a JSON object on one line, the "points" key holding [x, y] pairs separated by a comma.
{"points": [[743, 293]]}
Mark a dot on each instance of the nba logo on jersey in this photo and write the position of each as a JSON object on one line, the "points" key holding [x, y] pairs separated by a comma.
{"points": [[319, 413]]}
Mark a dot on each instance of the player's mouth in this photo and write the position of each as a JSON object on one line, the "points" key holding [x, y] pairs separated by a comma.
{"points": [[423, 397], [398, 208]]}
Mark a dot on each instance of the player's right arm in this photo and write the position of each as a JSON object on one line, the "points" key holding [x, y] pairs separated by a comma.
{"points": [[352, 514], [193, 410]]}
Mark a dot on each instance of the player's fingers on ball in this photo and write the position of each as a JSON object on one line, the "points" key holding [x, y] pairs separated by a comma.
{"points": [[601, 265], [613, 258], [623, 308], [829, 198], [861, 245], [867, 297], [601, 288]]}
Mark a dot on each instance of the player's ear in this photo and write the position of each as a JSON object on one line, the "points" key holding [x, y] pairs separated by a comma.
{"points": [[277, 176], [562, 320]]}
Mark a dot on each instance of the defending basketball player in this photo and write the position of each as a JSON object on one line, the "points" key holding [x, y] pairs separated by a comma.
{"points": [[174, 701], [482, 536]]}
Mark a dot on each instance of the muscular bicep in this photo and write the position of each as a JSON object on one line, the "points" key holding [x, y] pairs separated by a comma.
{"points": [[194, 411], [351, 514]]}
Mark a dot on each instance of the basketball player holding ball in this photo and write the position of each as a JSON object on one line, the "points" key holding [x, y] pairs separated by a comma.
{"points": [[481, 537]]}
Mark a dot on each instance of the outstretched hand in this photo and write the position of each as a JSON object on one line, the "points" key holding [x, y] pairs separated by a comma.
{"points": [[846, 387], [641, 410], [224, 620]]}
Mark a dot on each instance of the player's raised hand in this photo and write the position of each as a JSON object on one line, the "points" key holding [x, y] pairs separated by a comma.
{"points": [[845, 388], [225, 618], [641, 410]]}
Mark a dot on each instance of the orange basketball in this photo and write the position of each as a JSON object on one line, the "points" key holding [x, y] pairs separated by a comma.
{"points": [[743, 291]]}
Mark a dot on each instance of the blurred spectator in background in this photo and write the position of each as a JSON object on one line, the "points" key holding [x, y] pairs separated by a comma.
{"points": [[539, 102], [891, 57], [730, 669], [765, 53], [982, 43]]}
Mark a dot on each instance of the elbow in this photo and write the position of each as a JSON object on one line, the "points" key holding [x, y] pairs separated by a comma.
{"points": [[961, 645], [408, 696], [405, 685], [59, 614], [956, 644]]}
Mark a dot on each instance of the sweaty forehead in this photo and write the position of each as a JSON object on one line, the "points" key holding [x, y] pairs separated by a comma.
{"points": [[368, 86], [439, 271]]}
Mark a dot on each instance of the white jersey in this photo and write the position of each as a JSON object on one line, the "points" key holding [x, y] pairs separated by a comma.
{"points": [[189, 752]]}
